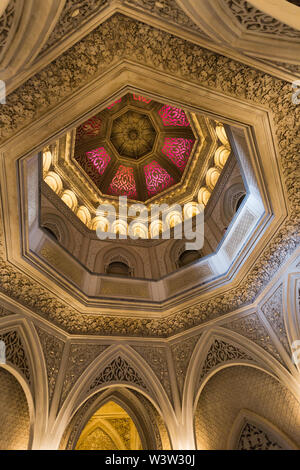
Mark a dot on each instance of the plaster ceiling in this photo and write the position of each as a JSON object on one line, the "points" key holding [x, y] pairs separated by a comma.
{"points": [[136, 147]]}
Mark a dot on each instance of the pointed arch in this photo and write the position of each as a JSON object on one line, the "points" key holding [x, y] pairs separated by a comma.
{"points": [[291, 314], [249, 417], [127, 400], [106, 372], [241, 351], [34, 382]]}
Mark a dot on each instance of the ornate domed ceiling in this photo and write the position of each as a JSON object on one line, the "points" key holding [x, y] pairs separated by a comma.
{"points": [[135, 147]]}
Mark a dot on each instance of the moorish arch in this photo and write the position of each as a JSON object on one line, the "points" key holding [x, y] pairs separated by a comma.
{"points": [[128, 256], [119, 366], [218, 349], [15, 425], [235, 388], [149, 425], [25, 361], [57, 225]]}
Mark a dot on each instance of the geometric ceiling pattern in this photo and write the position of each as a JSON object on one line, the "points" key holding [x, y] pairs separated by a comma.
{"points": [[135, 147]]}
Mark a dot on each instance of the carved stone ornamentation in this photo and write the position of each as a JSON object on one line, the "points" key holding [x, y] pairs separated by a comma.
{"points": [[221, 352], [153, 415], [73, 15], [118, 371], [156, 49], [252, 328], [4, 312], [6, 21], [253, 438], [182, 353], [71, 433], [167, 10], [80, 357], [53, 350], [157, 359], [258, 21], [15, 353], [273, 311]]}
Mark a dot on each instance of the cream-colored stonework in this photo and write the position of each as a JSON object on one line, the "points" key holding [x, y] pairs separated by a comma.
{"points": [[191, 357]]}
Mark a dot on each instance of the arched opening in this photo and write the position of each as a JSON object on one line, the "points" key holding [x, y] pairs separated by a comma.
{"points": [[188, 257], [149, 423], [220, 419], [110, 428], [239, 202], [14, 412], [118, 268], [50, 232]]}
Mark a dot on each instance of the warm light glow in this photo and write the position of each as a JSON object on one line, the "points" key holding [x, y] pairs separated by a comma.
{"points": [[69, 199], [139, 230], [221, 134], [54, 181], [156, 228], [84, 215], [47, 160], [212, 177], [203, 195], [101, 223], [110, 428], [119, 227], [190, 210], [221, 155], [123, 183], [173, 218]]}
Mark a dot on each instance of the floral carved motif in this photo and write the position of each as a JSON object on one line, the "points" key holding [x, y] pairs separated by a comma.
{"points": [[252, 328], [258, 21], [253, 438], [6, 21], [157, 359], [221, 352], [74, 13], [53, 350], [273, 311], [80, 357], [15, 352], [118, 371], [182, 353]]}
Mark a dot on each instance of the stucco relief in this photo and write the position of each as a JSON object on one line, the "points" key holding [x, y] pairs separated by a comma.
{"points": [[191, 62]]}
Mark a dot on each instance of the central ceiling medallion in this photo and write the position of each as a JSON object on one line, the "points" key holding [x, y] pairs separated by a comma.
{"points": [[136, 147], [133, 134]]}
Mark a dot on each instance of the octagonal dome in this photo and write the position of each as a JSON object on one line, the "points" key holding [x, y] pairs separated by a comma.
{"points": [[136, 147], [133, 134]]}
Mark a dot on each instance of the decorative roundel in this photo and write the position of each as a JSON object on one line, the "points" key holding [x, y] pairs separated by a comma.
{"points": [[135, 147]]}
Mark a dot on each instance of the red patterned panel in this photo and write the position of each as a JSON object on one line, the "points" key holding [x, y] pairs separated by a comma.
{"points": [[157, 178], [123, 183], [89, 169], [178, 150], [141, 98], [114, 103], [173, 116], [89, 128], [99, 158]]}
